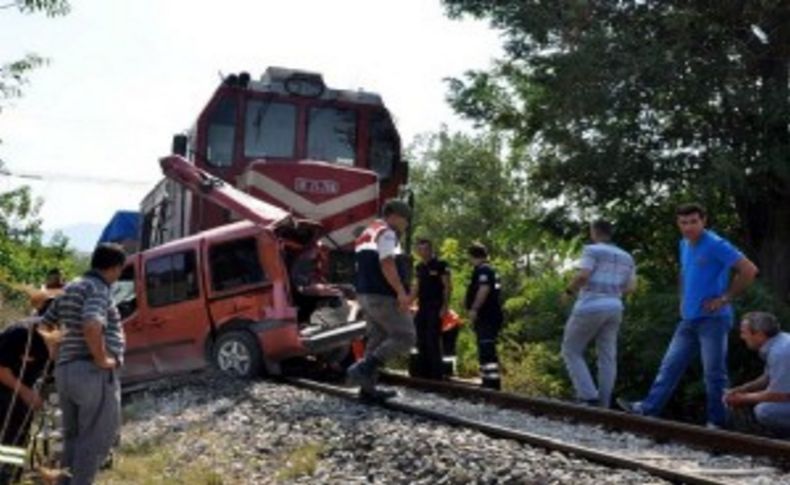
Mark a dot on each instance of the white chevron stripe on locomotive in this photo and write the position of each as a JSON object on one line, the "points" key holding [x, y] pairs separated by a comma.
{"points": [[347, 234], [303, 206]]}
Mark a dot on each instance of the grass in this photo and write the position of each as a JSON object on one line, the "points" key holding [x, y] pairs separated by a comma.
{"points": [[300, 462], [153, 463]]}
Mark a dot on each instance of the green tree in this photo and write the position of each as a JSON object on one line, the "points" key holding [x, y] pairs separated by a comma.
{"points": [[468, 188], [24, 258], [13, 75], [628, 107]]}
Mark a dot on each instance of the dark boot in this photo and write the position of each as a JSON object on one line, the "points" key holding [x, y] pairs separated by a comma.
{"points": [[376, 395], [491, 383], [363, 373]]}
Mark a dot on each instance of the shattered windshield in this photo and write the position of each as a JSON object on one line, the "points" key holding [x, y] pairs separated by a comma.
{"points": [[270, 129], [332, 135]]}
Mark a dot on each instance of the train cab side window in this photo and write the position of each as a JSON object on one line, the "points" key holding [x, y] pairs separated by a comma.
{"points": [[123, 293], [383, 145], [171, 279], [235, 264], [269, 129], [221, 133], [332, 135]]}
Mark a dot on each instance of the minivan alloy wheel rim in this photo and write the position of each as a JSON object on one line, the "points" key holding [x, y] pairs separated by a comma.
{"points": [[234, 357]]}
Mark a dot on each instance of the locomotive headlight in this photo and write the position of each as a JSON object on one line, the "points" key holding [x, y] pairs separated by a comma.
{"points": [[305, 85]]}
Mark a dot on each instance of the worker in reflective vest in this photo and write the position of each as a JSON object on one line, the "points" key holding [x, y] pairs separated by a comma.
{"points": [[485, 312], [382, 290]]}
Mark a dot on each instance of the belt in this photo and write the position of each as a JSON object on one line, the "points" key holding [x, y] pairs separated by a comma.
{"points": [[82, 358]]}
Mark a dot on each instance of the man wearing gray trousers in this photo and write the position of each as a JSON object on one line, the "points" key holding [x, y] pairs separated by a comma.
{"points": [[86, 374], [381, 284], [605, 273]]}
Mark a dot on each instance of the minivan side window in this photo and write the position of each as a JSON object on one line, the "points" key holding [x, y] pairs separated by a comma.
{"points": [[123, 293], [171, 279], [235, 264]]}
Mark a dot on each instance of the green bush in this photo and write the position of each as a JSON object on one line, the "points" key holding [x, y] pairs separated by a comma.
{"points": [[534, 369]]}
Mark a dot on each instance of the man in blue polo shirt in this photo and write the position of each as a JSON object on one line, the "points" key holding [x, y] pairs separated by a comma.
{"points": [[706, 260], [767, 398]]}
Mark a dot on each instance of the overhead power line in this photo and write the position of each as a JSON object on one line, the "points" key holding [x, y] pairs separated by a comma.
{"points": [[72, 178]]}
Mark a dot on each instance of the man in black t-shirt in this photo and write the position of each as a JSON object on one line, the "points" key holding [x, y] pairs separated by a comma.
{"points": [[25, 352], [432, 291], [485, 313]]}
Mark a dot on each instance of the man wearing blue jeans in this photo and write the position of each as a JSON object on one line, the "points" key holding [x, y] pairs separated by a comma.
{"points": [[706, 260]]}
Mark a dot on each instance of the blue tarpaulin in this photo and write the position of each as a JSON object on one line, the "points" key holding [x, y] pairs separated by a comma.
{"points": [[123, 226]]}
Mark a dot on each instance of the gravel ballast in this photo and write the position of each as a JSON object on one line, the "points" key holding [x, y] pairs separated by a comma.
{"points": [[267, 432], [738, 469]]}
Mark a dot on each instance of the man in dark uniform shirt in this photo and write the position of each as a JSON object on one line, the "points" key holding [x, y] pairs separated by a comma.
{"points": [[485, 313], [432, 291], [25, 351]]}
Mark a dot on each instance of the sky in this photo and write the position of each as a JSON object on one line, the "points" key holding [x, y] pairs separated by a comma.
{"points": [[123, 76]]}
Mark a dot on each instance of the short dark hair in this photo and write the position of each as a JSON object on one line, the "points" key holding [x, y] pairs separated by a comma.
{"points": [[477, 250], [108, 255], [54, 272], [397, 207], [689, 209], [425, 241], [603, 227]]}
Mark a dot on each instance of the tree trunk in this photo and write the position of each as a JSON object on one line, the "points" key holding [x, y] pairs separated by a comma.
{"points": [[768, 234], [767, 217]]}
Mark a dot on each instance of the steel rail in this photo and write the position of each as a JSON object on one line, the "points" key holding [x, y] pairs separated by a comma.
{"points": [[501, 432], [718, 441]]}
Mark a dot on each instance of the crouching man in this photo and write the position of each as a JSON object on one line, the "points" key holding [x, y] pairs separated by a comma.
{"points": [[25, 355], [768, 396], [86, 374], [381, 287]]}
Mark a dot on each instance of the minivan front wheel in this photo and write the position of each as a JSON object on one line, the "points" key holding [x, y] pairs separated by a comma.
{"points": [[238, 353]]}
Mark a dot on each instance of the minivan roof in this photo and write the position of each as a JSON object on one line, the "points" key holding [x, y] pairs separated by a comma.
{"points": [[241, 228]]}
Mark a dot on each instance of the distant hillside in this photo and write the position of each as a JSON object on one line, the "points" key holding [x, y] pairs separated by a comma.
{"points": [[82, 237]]}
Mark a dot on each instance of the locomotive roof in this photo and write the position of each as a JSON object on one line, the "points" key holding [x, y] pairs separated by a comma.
{"points": [[275, 80]]}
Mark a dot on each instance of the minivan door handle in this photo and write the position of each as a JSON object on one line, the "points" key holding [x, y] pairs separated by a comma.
{"points": [[157, 322]]}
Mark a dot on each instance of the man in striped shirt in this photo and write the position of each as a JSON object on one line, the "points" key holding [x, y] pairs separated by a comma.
{"points": [[605, 273], [90, 354]]}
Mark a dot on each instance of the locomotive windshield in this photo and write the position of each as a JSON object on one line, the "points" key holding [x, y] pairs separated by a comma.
{"points": [[383, 144], [332, 135], [221, 133], [270, 129]]}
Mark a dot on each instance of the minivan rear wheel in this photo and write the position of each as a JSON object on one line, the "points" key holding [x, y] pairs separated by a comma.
{"points": [[237, 353]]}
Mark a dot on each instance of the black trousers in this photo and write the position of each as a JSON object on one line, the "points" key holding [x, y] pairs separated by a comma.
{"points": [[487, 332], [428, 323]]}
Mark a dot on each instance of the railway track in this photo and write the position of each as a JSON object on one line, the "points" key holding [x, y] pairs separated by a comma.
{"points": [[609, 438], [408, 404], [712, 440]]}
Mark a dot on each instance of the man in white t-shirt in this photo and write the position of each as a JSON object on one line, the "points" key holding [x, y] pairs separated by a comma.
{"points": [[605, 273]]}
